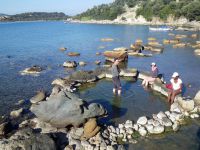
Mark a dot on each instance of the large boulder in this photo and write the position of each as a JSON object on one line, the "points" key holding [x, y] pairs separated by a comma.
{"points": [[197, 98], [187, 105], [27, 139], [66, 109]]}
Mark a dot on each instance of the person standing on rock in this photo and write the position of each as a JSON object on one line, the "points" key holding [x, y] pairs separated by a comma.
{"points": [[115, 77], [175, 87], [154, 75]]}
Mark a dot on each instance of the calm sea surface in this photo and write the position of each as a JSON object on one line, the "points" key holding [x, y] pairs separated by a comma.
{"points": [[25, 44]]}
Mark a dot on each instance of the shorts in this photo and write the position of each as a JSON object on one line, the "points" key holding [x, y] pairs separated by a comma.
{"points": [[117, 83]]}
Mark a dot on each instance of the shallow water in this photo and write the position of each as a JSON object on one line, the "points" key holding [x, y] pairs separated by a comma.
{"points": [[25, 44]]}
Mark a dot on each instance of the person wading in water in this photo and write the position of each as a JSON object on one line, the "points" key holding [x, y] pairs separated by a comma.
{"points": [[115, 77]]}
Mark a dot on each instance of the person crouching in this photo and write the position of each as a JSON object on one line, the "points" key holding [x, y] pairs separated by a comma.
{"points": [[152, 78], [115, 77]]}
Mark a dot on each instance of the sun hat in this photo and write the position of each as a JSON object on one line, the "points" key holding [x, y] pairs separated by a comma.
{"points": [[153, 63], [175, 74]]}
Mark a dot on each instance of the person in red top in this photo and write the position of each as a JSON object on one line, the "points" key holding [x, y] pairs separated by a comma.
{"points": [[154, 75]]}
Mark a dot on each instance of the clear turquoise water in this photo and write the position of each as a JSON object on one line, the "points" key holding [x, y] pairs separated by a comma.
{"points": [[24, 44]]}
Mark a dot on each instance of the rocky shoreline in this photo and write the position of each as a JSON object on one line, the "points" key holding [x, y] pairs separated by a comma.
{"points": [[63, 121], [185, 25]]}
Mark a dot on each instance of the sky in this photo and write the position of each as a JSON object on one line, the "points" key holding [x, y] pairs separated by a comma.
{"points": [[69, 7]]}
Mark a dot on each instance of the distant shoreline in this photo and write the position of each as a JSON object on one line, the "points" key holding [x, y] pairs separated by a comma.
{"points": [[195, 25]]}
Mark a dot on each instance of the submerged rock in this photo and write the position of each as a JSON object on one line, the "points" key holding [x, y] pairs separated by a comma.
{"points": [[32, 70], [73, 54], [66, 109], [82, 63], [62, 48], [70, 64]]}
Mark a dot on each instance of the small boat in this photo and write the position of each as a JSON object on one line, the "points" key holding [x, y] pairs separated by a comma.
{"points": [[160, 28]]}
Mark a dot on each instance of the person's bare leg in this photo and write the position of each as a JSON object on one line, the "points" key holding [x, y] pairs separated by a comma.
{"points": [[119, 92], [114, 90], [143, 82], [169, 96], [174, 95]]}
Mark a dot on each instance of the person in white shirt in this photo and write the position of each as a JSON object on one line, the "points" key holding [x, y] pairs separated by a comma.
{"points": [[176, 87]]}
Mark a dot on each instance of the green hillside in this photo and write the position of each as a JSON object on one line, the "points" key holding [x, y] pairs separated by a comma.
{"points": [[148, 8]]}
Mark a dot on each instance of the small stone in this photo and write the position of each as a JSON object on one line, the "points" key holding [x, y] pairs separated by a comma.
{"points": [[20, 102], [130, 131], [132, 141], [142, 120], [135, 127], [161, 115], [82, 63], [124, 140], [16, 113], [166, 122], [175, 127], [167, 113], [194, 116], [158, 129], [97, 62], [110, 148], [121, 126], [142, 131], [70, 64], [156, 123]]}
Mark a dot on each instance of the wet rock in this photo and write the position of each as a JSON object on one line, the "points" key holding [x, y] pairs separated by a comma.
{"points": [[120, 49], [66, 109], [197, 52], [20, 102], [82, 63], [73, 54], [27, 139], [129, 72], [38, 97], [97, 62], [3, 128], [107, 39], [98, 53], [142, 120], [122, 55], [175, 127], [62, 48], [70, 64], [179, 45], [197, 98], [187, 105], [16, 113], [83, 76], [32, 70]]}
